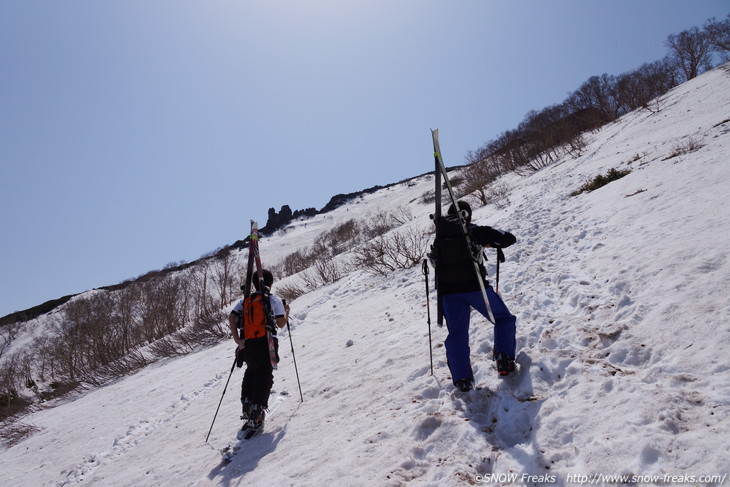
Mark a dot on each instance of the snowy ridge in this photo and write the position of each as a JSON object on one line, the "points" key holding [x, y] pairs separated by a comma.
{"points": [[621, 301]]}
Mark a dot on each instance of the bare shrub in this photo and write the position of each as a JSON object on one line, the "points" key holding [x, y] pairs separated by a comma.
{"points": [[497, 194], [169, 346], [291, 290], [400, 249], [214, 324], [205, 330], [410, 245], [428, 197], [296, 262], [132, 361], [339, 238], [58, 389], [330, 270], [324, 271], [401, 215], [372, 255], [13, 432], [379, 224], [309, 279], [684, 147]]}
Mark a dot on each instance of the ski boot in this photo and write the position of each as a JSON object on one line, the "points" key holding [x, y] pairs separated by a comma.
{"points": [[505, 364], [255, 423], [246, 413], [464, 385]]}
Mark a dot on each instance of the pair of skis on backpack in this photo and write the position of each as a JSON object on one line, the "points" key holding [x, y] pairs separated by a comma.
{"points": [[254, 259]]}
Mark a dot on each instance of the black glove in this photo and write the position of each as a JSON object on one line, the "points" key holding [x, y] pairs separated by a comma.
{"points": [[239, 357]]}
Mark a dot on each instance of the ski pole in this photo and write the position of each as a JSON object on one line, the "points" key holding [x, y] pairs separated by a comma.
{"points": [[500, 258], [428, 312], [288, 329], [224, 393]]}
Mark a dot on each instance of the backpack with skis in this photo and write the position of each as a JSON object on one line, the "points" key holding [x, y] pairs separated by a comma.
{"points": [[253, 323], [257, 317], [453, 228], [258, 328]]}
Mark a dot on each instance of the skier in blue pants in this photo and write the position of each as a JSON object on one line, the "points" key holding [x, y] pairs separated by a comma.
{"points": [[460, 291]]}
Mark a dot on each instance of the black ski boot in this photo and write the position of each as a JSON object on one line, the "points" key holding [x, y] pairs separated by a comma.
{"points": [[255, 423], [246, 413], [505, 364], [464, 385]]}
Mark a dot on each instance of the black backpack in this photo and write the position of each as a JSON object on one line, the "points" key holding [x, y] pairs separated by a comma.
{"points": [[450, 251]]}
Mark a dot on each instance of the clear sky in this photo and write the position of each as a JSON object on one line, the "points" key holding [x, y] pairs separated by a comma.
{"points": [[134, 133]]}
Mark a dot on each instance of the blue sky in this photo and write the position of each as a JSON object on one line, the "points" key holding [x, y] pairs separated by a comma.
{"points": [[135, 133]]}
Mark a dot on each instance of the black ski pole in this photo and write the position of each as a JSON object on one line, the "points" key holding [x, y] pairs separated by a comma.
{"points": [[500, 258], [428, 312], [224, 393], [288, 329]]}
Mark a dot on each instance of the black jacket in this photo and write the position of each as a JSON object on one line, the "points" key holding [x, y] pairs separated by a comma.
{"points": [[455, 268]]}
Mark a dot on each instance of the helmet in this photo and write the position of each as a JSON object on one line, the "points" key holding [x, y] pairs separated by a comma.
{"points": [[464, 209]]}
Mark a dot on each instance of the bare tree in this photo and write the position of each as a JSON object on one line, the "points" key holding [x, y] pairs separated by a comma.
{"points": [[14, 376], [692, 50], [125, 320], [597, 92], [222, 277], [67, 355], [161, 307], [478, 175], [5, 339], [636, 89], [92, 336], [198, 285], [719, 33]]}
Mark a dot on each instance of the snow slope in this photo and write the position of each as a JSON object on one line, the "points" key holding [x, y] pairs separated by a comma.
{"points": [[623, 312]]}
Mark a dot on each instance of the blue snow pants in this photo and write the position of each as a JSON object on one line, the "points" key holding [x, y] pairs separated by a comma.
{"points": [[457, 311]]}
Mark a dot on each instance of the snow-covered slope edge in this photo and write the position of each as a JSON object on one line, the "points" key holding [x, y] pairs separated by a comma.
{"points": [[622, 314]]}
